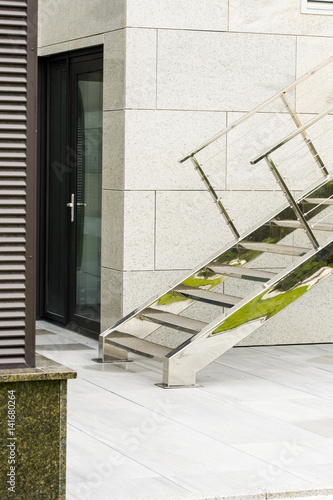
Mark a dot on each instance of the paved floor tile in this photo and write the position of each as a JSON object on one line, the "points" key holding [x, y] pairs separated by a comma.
{"points": [[261, 423]]}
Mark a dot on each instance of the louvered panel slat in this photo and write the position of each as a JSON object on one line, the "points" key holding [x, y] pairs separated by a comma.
{"points": [[12, 98], [6, 201], [18, 257], [13, 221], [11, 3], [12, 305], [13, 183], [12, 192], [7, 154], [12, 79], [14, 42], [12, 230], [12, 126], [11, 286], [12, 211], [15, 178], [15, 200], [12, 69], [20, 108], [11, 351], [7, 57], [14, 136], [13, 117], [19, 49], [17, 174], [13, 361], [12, 32], [12, 277], [8, 145], [12, 13], [12, 267], [17, 183], [12, 60], [7, 249], [12, 258], [12, 88], [13, 173], [12, 314], [11, 239], [12, 323], [12, 296], [13, 332], [11, 342], [13, 22]]}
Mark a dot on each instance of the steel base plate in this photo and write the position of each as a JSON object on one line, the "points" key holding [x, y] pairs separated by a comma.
{"points": [[113, 361], [165, 386]]}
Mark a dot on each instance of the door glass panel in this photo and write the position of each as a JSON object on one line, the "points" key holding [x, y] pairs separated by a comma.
{"points": [[57, 179], [88, 194]]}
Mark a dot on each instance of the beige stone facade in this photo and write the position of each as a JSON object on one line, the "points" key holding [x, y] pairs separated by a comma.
{"points": [[175, 74]]}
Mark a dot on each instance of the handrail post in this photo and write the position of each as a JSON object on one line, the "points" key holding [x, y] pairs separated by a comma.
{"points": [[215, 197], [299, 214], [305, 136]]}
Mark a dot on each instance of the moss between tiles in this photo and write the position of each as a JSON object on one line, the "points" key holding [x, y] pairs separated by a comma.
{"points": [[33, 418]]}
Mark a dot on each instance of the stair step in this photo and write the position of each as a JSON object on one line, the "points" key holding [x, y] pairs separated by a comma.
{"points": [[272, 248], [138, 346], [242, 272], [181, 323], [200, 294], [296, 224], [318, 201]]}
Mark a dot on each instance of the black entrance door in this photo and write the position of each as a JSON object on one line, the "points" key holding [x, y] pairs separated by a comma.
{"points": [[73, 190]]}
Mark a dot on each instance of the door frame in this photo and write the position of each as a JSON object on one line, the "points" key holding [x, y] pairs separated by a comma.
{"points": [[71, 59]]}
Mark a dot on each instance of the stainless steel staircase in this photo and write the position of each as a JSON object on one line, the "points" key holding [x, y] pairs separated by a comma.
{"points": [[299, 234]]}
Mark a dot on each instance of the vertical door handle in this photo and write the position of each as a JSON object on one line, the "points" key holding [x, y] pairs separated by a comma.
{"points": [[71, 205]]}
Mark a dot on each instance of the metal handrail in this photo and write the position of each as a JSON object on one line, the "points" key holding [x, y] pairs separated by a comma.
{"points": [[256, 110], [291, 136]]}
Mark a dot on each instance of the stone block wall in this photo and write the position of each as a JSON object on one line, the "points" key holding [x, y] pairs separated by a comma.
{"points": [[176, 73]]}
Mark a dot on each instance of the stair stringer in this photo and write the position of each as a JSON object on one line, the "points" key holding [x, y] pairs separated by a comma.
{"points": [[182, 364]]}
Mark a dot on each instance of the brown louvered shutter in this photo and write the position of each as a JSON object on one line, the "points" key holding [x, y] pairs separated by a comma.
{"points": [[18, 54]]}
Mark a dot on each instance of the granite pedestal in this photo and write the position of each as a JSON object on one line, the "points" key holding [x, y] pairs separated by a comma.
{"points": [[33, 419]]}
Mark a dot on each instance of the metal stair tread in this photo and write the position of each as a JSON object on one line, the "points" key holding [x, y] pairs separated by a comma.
{"points": [[182, 323], [242, 272], [201, 294], [273, 248], [297, 224], [318, 201], [136, 345]]}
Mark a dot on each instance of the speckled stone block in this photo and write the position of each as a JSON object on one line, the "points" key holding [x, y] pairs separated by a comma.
{"points": [[33, 417]]}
